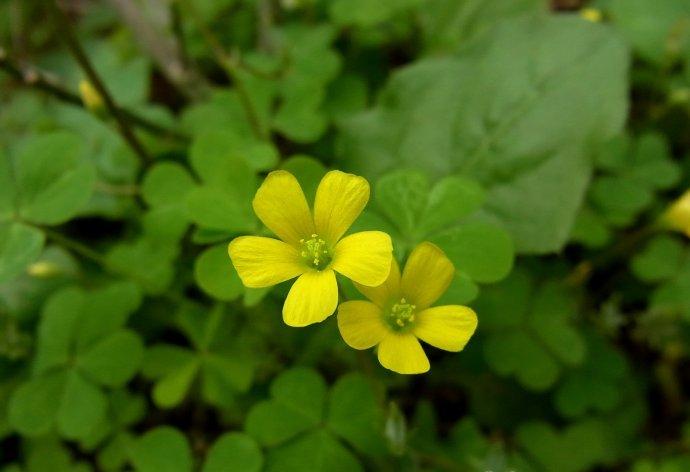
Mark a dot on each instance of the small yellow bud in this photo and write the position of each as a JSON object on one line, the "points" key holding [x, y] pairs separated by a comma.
{"points": [[592, 14], [680, 96], [677, 216], [43, 269], [90, 96]]}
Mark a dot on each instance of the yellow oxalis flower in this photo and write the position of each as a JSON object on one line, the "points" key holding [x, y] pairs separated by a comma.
{"points": [[677, 217], [310, 247], [400, 313]]}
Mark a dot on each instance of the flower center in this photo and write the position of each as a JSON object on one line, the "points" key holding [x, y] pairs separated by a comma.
{"points": [[315, 252], [401, 315]]}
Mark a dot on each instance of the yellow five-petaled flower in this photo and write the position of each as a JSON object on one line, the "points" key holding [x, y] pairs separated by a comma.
{"points": [[400, 312], [310, 247]]}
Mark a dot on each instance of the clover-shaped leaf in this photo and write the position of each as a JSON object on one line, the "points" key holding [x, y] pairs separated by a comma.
{"points": [[223, 201], [446, 214], [297, 403], [596, 385], [223, 368], [665, 262], [302, 414], [46, 181], [76, 358], [530, 335], [577, 448]]}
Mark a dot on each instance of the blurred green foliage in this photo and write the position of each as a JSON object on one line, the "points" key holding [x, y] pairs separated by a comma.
{"points": [[535, 147]]}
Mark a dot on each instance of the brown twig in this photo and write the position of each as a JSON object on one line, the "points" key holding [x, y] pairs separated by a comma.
{"points": [[30, 76], [79, 54]]}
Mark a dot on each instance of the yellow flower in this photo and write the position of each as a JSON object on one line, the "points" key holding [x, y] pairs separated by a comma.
{"points": [[311, 248], [677, 217], [90, 96], [592, 14], [401, 313]]}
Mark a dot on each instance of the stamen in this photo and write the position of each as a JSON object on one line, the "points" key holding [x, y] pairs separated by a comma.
{"points": [[315, 252], [401, 315]]}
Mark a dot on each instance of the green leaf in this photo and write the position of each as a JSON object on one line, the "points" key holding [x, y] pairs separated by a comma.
{"points": [[597, 384], [166, 184], [114, 360], [401, 197], [106, 310], [215, 274], [317, 451], [296, 404], [234, 451], [214, 208], [32, 408], [510, 134], [660, 260], [7, 190], [170, 390], [449, 24], [57, 328], [308, 172], [577, 448], [218, 146], [82, 407], [529, 330], [481, 251], [20, 245], [53, 181], [446, 214], [163, 449], [450, 200], [648, 25], [354, 414]]}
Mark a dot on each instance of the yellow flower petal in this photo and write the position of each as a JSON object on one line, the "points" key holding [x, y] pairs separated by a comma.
{"points": [[340, 199], [677, 217], [360, 324], [312, 298], [403, 354], [387, 291], [446, 327], [262, 262], [364, 257], [280, 205], [427, 275]]}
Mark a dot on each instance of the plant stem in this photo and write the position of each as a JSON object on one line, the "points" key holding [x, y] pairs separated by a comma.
{"points": [[79, 54], [75, 246], [33, 77]]}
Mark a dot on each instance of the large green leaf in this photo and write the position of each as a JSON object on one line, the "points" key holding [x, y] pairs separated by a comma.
{"points": [[557, 85]]}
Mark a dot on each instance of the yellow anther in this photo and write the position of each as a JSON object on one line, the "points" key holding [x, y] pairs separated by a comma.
{"points": [[315, 252], [401, 315]]}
